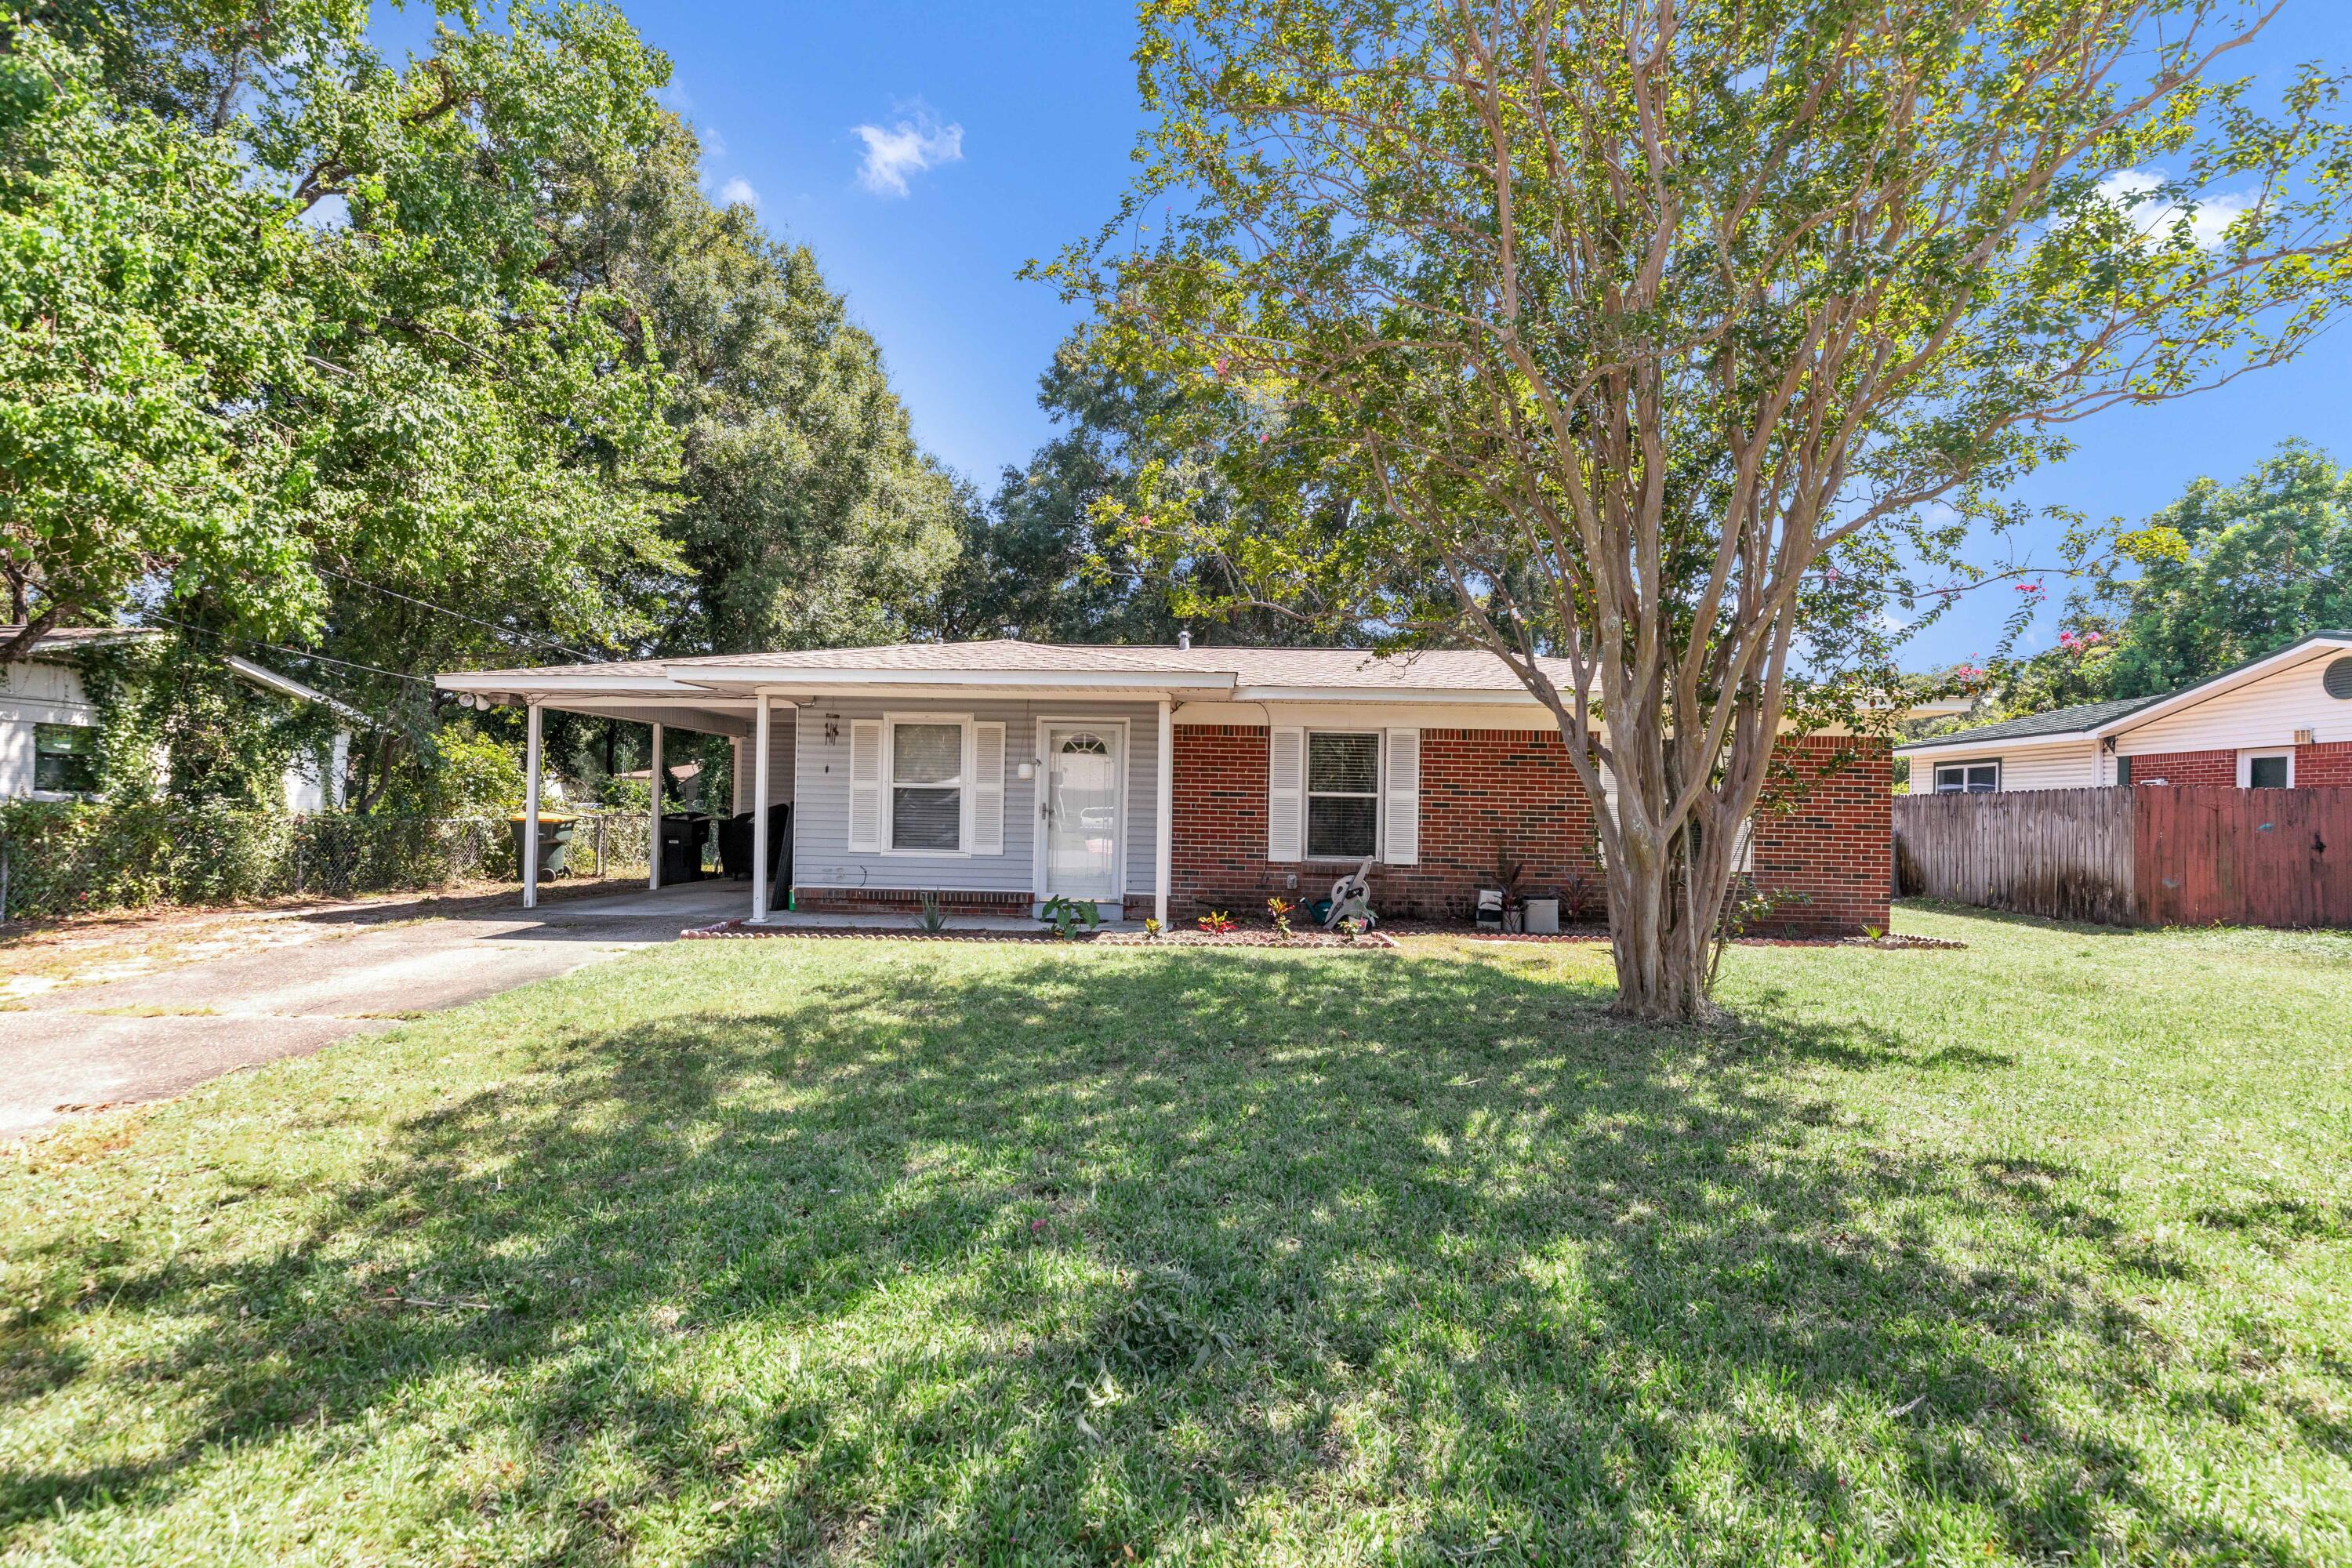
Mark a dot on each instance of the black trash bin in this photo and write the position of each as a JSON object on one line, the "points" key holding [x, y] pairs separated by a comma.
{"points": [[683, 836], [735, 844]]}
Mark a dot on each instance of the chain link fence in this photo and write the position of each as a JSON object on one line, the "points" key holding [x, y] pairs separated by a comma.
{"points": [[67, 858]]}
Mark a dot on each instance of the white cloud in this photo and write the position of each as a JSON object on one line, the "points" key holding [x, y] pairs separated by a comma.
{"points": [[714, 145], [2208, 216], [907, 148], [738, 191]]}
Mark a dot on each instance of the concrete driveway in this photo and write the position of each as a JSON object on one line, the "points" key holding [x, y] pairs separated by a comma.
{"points": [[91, 1047]]}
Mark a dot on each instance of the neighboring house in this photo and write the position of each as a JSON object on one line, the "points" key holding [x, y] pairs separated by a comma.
{"points": [[2277, 721], [49, 725], [1175, 780]]}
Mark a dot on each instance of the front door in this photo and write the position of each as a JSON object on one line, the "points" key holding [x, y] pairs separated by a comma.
{"points": [[1081, 812]]}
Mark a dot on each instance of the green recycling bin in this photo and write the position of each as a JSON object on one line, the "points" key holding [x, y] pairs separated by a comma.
{"points": [[554, 845]]}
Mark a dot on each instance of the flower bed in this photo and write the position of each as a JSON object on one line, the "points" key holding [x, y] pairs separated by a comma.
{"points": [[1374, 939]]}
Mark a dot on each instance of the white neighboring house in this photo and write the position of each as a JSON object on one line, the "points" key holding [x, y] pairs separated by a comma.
{"points": [[49, 726], [2275, 722]]}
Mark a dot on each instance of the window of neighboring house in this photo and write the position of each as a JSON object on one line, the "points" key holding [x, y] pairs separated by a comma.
{"points": [[1967, 778], [2123, 770], [64, 759], [2267, 770], [926, 785], [1343, 795]]}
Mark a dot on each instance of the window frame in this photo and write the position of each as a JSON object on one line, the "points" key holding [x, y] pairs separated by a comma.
{"points": [[1936, 777], [88, 735], [2249, 757], [1309, 794], [891, 784]]}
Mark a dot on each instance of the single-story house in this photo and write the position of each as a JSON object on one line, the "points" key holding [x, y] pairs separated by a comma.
{"points": [[2277, 721], [49, 725], [1171, 781]]}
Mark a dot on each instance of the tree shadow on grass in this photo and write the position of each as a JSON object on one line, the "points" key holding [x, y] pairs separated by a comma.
{"points": [[1064, 1259]]}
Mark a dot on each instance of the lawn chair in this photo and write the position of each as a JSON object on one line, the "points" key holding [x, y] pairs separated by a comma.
{"points": [[1352, 899]]}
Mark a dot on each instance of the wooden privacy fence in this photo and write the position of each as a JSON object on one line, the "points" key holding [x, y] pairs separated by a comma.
{"points": [[2064, 853], [2154, 855]]}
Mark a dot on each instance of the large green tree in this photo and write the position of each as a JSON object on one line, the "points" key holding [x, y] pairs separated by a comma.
{"points": [[1048, 559], [804, 511], [1635, 323]]}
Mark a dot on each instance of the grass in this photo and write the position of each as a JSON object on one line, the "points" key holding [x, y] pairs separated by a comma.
{"points": [[805, 1252]]}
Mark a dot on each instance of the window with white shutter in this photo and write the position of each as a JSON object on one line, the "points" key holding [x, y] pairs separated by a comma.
{"points": [[865, 784], [987, 793], [1401, 818], [1286, 760]]}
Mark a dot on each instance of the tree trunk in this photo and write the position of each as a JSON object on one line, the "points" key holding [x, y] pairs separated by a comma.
{"points": [[1666, 900]]}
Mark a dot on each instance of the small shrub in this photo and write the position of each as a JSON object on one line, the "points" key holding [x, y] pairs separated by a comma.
{"points": [[1279, 909], [935, 918], [1065, 915], [1216, 923], [1152, 930]]}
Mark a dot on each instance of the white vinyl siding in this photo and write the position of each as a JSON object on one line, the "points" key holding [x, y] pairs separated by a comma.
{"points": [[780, 762], [821, 809], [2260, 715]]}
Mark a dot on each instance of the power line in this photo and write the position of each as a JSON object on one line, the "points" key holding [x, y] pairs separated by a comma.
{"points": [[295, 652], [460, 614]]}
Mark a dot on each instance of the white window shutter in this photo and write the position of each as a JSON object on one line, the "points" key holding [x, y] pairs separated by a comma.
{"points": [[1401, 814], [865, 784], [986, 836], [1286, 796]]}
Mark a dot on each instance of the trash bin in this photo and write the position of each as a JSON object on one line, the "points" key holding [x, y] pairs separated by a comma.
{"points": [[683, 836], [554, 846]]}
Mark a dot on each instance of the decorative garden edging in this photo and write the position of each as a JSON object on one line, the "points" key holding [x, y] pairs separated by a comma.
{"points": [[739, 929]]}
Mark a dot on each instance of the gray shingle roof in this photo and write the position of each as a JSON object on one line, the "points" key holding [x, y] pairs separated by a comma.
{"points": [[1437, 670], [2083, 716]]}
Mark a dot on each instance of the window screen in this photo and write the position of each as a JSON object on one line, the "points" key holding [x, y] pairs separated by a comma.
{"points": [[1967, 778], [64, 758], [927, 786], [1343, 797], [2266, 772]]}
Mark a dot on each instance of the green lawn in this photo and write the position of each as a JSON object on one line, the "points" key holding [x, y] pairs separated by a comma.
{"points": [[816, 1251]]}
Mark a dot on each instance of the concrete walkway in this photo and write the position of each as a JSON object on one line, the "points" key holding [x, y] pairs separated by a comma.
{"points": [[90, 1047]]}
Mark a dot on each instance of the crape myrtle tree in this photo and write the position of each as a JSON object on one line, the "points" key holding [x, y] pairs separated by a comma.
{"points": [[1666, 334]]}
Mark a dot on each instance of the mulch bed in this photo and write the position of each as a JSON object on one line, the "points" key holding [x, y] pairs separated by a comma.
{"points": [[1601, 937]]}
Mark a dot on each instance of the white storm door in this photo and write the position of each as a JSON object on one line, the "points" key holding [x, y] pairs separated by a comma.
{"points": [[1081, 812]]}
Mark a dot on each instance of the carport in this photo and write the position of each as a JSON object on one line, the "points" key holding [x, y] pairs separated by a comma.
{"points": [[645, 693]]}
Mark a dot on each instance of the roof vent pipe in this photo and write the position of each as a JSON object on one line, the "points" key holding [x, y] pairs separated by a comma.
{"points": [[1184, 641]]}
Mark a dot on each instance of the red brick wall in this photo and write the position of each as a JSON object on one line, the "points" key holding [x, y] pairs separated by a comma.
{"points": [[2185, 768], [2330, 763], [1479, 786], [1826, 835]]}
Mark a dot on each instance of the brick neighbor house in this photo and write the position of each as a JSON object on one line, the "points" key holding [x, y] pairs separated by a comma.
{"points": [[1169, 781], [2280, 721]]}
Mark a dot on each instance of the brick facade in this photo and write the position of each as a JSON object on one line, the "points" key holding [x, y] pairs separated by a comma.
{"points": [[2185, 768], [1826, 835], [2330, 763], [896, 901], [1827, 848]]}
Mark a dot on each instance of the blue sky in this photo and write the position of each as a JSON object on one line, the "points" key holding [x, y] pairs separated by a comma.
{"points": [[1035, 101]]}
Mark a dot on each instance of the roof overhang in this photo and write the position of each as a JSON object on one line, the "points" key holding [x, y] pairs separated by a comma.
{"points": [[749, 680], [1963, 741]]}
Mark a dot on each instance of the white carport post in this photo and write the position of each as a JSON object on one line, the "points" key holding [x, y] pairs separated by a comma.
{"points": [[653, 827], [760, 813], [531, 810], [1166, 796]]}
